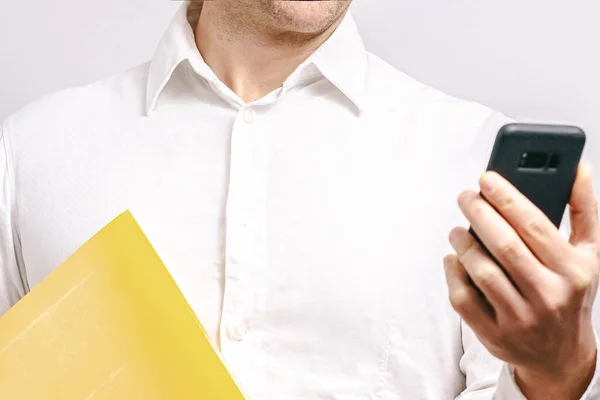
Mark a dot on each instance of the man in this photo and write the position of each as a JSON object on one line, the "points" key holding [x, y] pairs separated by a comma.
{"points": [[300, 191]]}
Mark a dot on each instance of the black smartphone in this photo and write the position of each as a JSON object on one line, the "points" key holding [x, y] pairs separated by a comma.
{"points": [[541, 161]]}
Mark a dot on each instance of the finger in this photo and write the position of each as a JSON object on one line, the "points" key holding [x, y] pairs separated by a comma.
{"points": [[531, 224], [487, 275], [584, 208], [505, 246], [465, 300]]}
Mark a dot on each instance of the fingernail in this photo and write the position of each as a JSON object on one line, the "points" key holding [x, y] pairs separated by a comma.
{"points": [[488, 182], [454, 237], [448, 261]]}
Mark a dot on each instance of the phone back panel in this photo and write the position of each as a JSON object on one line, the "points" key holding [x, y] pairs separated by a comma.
{"points": [[548, 187]]}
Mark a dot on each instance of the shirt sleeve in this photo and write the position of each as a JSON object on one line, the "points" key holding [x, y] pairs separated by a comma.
{"points": [[488, 378], [509, 390], [11, 284], [480, 368]]}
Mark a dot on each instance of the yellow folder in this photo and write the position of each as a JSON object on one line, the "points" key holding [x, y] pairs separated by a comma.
{"points": [[110, 324]]}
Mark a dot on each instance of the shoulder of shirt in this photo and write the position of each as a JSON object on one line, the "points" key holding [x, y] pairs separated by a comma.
{"points": [[390, 89], [457, 125], [112, 95]]}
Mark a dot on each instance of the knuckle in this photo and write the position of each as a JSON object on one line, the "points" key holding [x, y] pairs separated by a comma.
{"points": [[486, 277], [553, 307], [508, 251], [536, 228], [506, 203], [581, 281], [527, 323], [459, 299], [518, 327]]}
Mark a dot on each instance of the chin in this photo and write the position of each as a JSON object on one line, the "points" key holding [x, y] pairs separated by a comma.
{"points": [[308, 16]]}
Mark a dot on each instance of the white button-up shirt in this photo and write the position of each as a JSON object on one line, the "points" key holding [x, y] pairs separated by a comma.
{"points": [[305, 229]]}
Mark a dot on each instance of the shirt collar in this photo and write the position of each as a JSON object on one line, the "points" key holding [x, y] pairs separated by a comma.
{"points": [[342, 59], [176, 45]]}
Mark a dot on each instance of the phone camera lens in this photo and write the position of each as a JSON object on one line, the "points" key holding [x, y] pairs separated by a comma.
{"points": [[523, 160]]}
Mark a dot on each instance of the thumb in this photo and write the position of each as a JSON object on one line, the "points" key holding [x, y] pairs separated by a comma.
{"points": [[583, 208]]}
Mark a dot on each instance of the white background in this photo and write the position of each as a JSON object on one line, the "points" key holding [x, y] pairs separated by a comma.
{"points": [[533, 60]]}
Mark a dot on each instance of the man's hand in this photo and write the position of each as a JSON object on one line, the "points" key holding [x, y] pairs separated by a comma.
{"points": [[534, 312]]}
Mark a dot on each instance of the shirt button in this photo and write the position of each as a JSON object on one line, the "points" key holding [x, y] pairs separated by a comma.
{"points": [[249, 115], [238, 332]]}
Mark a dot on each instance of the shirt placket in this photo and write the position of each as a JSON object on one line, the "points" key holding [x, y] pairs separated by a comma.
{"points": [[245, 258]]}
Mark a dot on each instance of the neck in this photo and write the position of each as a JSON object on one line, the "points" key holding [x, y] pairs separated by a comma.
{"points": [[250, 60]]}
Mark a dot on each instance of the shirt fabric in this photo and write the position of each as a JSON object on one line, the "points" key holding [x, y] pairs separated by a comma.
{"points": [[306, 229]]}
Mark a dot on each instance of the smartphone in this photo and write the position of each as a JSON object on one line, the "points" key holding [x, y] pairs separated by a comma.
{"points": [[541, 161]]}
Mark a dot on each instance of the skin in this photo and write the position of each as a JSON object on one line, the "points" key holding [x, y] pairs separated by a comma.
{"points": [[537, 314], [254, 45]]}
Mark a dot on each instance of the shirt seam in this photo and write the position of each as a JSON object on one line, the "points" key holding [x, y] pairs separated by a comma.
{"points": [[11, 180], [14, 204]]}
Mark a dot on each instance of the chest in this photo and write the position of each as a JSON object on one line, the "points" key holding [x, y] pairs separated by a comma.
{"points": [[312, 255]]}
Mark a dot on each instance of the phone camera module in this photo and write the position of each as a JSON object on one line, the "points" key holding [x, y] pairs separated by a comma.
{"points": [[533, 160]]}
